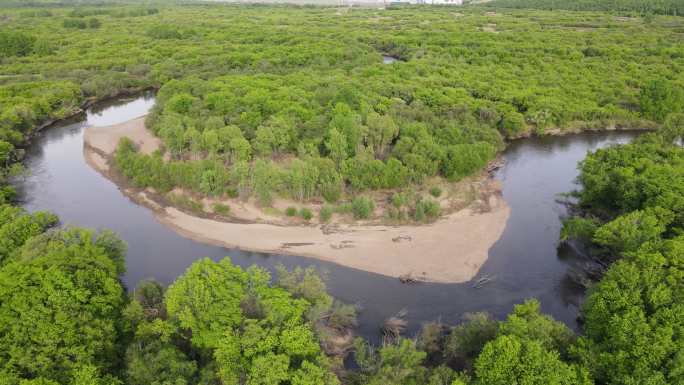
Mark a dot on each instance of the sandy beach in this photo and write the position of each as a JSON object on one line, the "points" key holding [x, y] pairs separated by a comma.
{"points": [[450, 250]]}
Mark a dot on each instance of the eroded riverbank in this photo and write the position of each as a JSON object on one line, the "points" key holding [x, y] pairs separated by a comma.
{"points": [[451, 250]]}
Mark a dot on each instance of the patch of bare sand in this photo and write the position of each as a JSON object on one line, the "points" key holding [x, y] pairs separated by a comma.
{"points": [[450, 250], [105, 139]]}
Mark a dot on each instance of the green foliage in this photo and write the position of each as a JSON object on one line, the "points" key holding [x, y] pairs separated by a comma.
{"points": [[426, 210], [206, 300], [17, 226], [185, 202], [512, 360], [75, 24], [633, 317], [60, 309], [647, 173], [399, 363], [362, 207], [436, 191], [431, 115], [326, 213], [668, 7], [163, 32], [578, 228], [305, 213], [527, 323], [628, 232], [291, 211], [15, 44], [466, 340], [659, 98], [462, 160], [154, 359], [673, 129], [221, 209]]}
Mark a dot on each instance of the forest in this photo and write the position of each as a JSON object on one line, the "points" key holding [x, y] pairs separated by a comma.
{"points": [[220, 324], [637, 7], [306, 110], [299, 95]]}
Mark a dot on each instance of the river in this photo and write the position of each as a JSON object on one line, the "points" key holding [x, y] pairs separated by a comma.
{"points": [[524, 263]]}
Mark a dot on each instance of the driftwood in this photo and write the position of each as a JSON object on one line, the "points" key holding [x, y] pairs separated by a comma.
{"points": [[287, 245], [483, 281], [409, 279], [394, 326], [402, 238], [342, 245]]}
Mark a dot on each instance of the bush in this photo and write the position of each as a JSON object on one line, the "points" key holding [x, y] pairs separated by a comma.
{"points": [[162, 32], [426, 209], [362, 207], [75, 23], [291, 211], [15, 44], [221, 209], [184, 202], [94, 23], [578, 228], [436, 192], [326, 213], [305, 213]]}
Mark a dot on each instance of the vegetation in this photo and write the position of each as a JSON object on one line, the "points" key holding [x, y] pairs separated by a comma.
{"points": [[632, 196], [64, 317], [265, 101], [662, 7], [295, 102]]}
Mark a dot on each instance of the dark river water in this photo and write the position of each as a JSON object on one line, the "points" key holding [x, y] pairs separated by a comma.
{"points": [[524, 263]]}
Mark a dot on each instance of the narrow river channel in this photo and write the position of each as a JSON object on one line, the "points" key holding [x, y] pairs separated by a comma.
{"points": [[524, 263]]}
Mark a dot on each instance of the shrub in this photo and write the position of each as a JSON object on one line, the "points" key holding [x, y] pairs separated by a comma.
{"points": [[578, 228], [290, 211], [326, 213], [305, 213], [161, 32], [15, 44], [362, 207], [344, 208], [436, 192], [426, 209], [221, 209], [184, 202], [94, 23], [75, 23]]}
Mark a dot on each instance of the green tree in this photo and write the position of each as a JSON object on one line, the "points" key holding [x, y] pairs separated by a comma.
{"points": [[628, 232], [60, 309], [206, 300], [15, 43], [512, 360], [659, 98], [336, 146], [381, 131], [633, 317]]}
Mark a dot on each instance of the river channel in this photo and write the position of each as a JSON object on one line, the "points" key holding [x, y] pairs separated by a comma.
{"points": [[524, 263]]}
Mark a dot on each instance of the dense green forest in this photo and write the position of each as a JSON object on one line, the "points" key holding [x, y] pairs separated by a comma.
{"points": [[662, 7], [280, 89], [295, 101], [220, 324]]}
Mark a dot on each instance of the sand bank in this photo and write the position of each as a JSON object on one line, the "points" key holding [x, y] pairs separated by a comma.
{"points": [[450, 250]]}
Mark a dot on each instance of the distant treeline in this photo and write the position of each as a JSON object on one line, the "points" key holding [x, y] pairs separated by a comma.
{"points": [[661, 7]]}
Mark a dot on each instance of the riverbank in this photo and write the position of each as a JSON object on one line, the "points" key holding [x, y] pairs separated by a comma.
{"points": [[451, 250]]}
